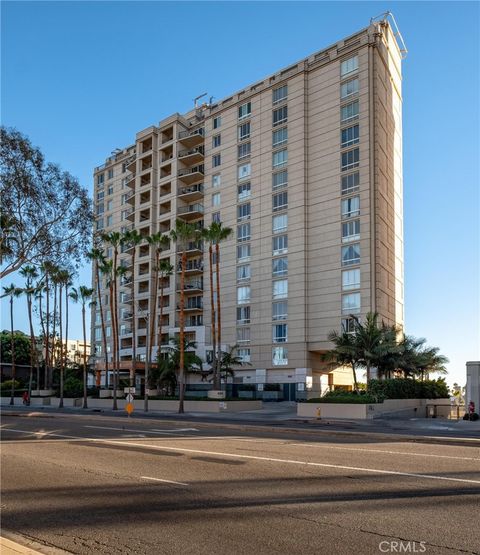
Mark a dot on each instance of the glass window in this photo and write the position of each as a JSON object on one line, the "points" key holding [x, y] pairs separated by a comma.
{"points": [[243, 315], [280, 179], [243, 294], [100, 208], [349, 88], [280, 115], [110, 190], [216, 180], [279, 94], [280, 333], [216, 217], [348, 325], [244, 171], [348, 66], [280, 201], [280, 266], [108, 331], [243, 272], [350, 136], [351, 254], [350, 183], [243, 355], [217, 122], [243, 211], [110, 174], [216, 141], [280, 244], [110, 220], [279, 137], [349, 111], [350, 159], [216, 160], [243, 232], [279, 356], [99, 224], [280, 289], [351, 279], [244, 131], [350, 207], [243, 150], [109, 204], [280, 310], [351, 303], [243, 335], [244, 191], [245, 110], [279, 158], [279, 223], [98, 333], [350, 231], [124, 198], [216, 199], [100, 178], [243, 252], [101, 195]]}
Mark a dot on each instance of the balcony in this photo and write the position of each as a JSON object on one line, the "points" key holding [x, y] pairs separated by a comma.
{"points": [[192, 267], [130, 181], [191, 156], [191, 175], [191, 138], [126, 331], [192, 306], [194, 248], [194, 192], [190, 212], [131, 163], [191, 286], [191, 321]]}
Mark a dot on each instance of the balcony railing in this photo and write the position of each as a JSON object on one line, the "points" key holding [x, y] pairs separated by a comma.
{"points": [[194, 133], [192, 265], [191, 208], [186, 172], [193, 192], [192, 285]]}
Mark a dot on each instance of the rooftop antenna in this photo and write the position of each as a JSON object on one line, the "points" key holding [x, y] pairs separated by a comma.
{"points": [[396, 31], [195, 100]]}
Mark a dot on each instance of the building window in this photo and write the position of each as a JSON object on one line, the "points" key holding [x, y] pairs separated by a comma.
{"points": [[243, 294], [100, 208], [243, 355], [351, 254], [244, 131], [350, 159], [243, 272], [280, 115], [279, 94], [348, 325], [243, 150], [350, 183], [244, 171], [280, 244], [109, 205], [280, 266], [110, 220], [243, 335], [279, 158], [216, 199], [279, 356], [351, 303], [243, 232], [279, 137], [280, 289], [216, 160], [280, 179], [108, 331], [216, 217], [349, 66], [349, 111], [99, 224], [244, 110], [351, 231], [100, 179], [350, 207], [351, 279], [279, 223], [280, 333], [243, 252], [110, 174], [280, 310], [349, 88], [98, 333], [243, 315], [243, 212], [124, 198], [280, 201], [217, 122], [216, 140], [244, 191], [216, 180], [110, 190], [350, 136], [101, 195]]}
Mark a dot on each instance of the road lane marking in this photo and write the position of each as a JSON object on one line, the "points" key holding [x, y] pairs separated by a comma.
{"points": [[290, 461], [166, 481], [42, 434], [163, 432]]}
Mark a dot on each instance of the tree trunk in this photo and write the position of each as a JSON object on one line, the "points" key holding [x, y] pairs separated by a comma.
{"points": [[147, 369], [114, 346], [32, 342], [60, 404], [12, 347], [368, 373], [219, 319], [216, 376], [354, 376], [153, 315], [159, 339], [134, 323], [181, 376], [115, 331], [42, 324], [85, 404], [102, 320], [62, 370], [47, 334], [54, 332]]}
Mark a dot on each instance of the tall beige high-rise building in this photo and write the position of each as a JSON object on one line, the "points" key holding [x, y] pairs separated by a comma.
{"points": [[306, 167]]}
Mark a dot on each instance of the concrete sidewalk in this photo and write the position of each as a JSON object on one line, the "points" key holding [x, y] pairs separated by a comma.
{"points": [[26, 547]]}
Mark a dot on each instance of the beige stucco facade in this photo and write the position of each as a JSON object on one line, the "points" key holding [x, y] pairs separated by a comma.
{"points": [[320, 203]]}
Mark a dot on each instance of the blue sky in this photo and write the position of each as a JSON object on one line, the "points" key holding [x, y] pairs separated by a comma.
{"points": [[80, 78]]}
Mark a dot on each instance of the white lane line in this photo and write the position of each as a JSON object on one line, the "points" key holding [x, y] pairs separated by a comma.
{"points": [[176, 430], [383, 451], [41, 434], [290, 461], [162, 432], [166, 481]]}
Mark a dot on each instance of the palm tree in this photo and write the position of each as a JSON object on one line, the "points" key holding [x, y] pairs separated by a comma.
{"points": [[429, 360], [209, 236], [30, 273], [65, 277], [38, 295], [166, 270], [219, 234], [344, 352], [132, 238], [228, 361], [83, 294], [181, 235], [13, 292]]}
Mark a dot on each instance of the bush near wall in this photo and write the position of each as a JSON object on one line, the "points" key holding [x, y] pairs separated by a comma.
{"points": [[402, 388]]}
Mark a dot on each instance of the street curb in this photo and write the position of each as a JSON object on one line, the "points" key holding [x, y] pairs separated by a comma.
{"points": [[268, 428], [14, 544]]}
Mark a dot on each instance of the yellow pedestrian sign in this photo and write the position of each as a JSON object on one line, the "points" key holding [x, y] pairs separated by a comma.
{"points": [[129, 408]]}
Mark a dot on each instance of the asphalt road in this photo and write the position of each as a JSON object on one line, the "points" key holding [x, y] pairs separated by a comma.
{"points": [[91, 484]]}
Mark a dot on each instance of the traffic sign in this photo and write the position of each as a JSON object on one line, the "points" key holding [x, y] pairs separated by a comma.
{"points": [[129, 390], [129, 398], [129, 408]]}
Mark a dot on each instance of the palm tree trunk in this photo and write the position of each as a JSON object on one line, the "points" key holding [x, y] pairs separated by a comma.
{"points": [[116, 369], [62, 370], [153, 316], [134, 327], [354, 376], [114, 339], [12, 347], [182, 333], [54, 332], [85, 405], [47, 335], [42, 324], [60, 315], [368, 373], [159, 339], [219, 318], [32, 343], [147, 369], [102, 319], [216, 381]]}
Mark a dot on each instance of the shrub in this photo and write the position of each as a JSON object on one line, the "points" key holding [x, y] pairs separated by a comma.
{"points": [[347, 397], [7, 385], [473, 416], [73, 387], [403, 388]]}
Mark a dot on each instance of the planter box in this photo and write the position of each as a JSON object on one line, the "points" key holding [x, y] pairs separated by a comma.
{"points": [[216, 394], [190, 406]]}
